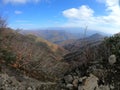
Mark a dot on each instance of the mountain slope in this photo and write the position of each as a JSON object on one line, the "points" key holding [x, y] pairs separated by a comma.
{"points": [[81, 50], [33, 56], [77, 44]]}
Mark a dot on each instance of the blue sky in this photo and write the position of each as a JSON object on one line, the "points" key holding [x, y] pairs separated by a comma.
{"points": [[101, 15]]}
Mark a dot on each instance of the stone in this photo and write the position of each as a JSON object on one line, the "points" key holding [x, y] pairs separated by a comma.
{"points": [[112, 59], [77, 71], [81, 79], [75, 77], [90, 83], [29, 88], [80, 88], [69, 86], [103, 88], [112, 87], [68, 79], [75, 83]]}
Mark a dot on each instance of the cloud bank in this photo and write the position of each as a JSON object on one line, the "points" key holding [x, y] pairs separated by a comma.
{"points": [[77, 17], [19, 1]]}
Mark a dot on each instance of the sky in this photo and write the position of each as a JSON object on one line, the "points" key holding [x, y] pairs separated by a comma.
{"points": [[101, 15]]}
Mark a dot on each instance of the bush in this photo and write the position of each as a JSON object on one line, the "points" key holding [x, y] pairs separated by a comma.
{"points": [[112, 46], [8, 56]]}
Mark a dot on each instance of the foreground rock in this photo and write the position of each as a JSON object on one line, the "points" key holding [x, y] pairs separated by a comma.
{"points": [[89, 82]]}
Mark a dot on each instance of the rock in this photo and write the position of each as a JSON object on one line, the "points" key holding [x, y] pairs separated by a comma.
{"points": [[77, 72], [81, 79], [63, 89], [112, 59], [90, 83], [112, 87], [80, 88], [69, 86], [98, 73], [103, 88], [74, 74], [75, 77], [68, 79], [29, 88], [75, 83], [84, 77]]}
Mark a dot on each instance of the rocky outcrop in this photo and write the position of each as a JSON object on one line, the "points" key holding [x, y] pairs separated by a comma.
{"points": [[83, 83], [91, 81]]}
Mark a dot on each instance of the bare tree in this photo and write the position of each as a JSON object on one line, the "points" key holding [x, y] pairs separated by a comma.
{"points": [[3, 23], [84, 36]]}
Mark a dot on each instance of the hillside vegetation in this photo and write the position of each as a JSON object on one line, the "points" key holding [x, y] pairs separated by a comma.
{"points": [[37, 58]]}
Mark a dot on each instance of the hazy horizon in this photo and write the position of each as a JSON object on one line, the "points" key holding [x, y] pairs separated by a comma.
{"points": [[100, 15]]}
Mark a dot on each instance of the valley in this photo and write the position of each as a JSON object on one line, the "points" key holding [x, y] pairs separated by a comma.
{"points": [[29, 62]]}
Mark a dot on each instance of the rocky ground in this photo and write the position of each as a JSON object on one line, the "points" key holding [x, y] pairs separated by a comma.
{"points": [[11, 83], [12, 79], [74, 81], [94, 76]]}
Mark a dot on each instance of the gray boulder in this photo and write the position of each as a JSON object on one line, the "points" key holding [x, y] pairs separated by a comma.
{"points": [[68, 79], [69, 86]]}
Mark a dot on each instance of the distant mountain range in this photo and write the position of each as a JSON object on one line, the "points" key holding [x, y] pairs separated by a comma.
{"points": [[55, 36], [58, 36], [78, 44]]}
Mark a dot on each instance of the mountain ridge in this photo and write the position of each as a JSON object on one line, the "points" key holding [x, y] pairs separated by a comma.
{"points": [[59, 36]]}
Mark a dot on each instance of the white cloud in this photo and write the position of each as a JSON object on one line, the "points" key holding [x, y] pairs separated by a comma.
{"points": [[77, 17], [18, 12], [19, 1], [82, 12]]}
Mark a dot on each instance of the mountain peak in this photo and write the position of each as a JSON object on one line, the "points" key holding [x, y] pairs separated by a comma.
{"points": [[96, 36]]}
